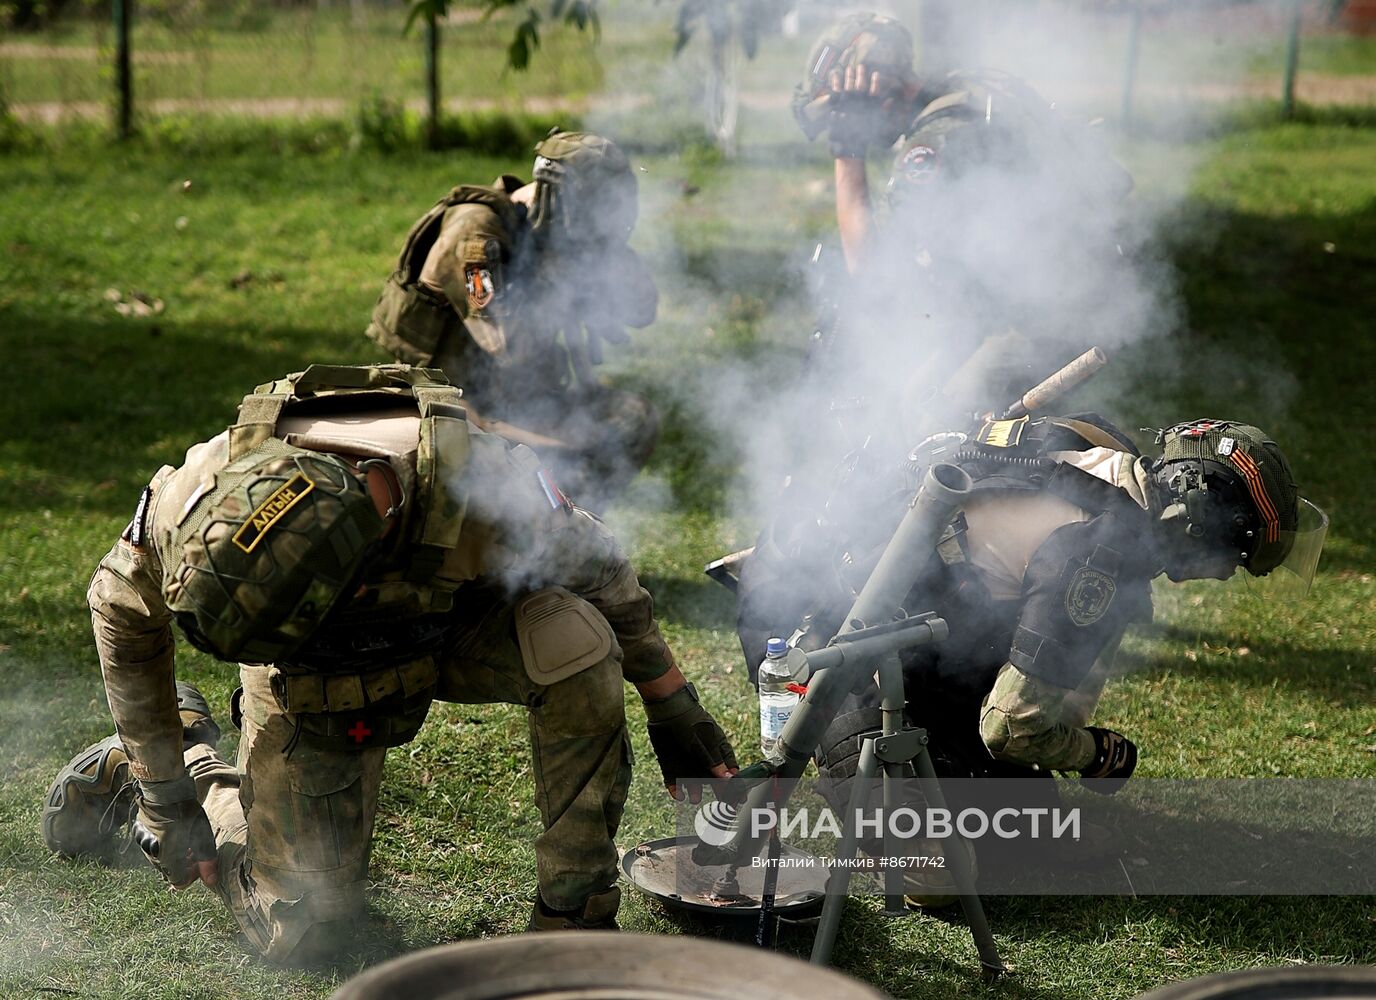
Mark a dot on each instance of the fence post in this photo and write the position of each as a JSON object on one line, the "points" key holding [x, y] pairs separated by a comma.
{"points": [[432, 76], [1130, 69], [1292, 62], [124, 84]]}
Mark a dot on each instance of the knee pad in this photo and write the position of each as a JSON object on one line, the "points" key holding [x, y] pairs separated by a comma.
{"points": [[838, 761], [561, 635]]}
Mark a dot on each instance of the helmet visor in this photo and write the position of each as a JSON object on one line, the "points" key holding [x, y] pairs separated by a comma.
{"points": [[1290, 581]]}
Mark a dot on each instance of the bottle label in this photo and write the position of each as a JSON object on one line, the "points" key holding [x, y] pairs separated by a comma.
{"points": [[773, 718]]}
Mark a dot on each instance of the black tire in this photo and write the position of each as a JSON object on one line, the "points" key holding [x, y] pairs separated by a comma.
{"points": [[1337, 982], [591, 965]]}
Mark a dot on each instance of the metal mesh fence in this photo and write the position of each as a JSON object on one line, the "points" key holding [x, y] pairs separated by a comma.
{"points": [[252, 57], [276, 58]]}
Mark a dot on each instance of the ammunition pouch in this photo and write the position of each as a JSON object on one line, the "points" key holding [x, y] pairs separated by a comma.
{"points": [[410, 321], [380, 708]]}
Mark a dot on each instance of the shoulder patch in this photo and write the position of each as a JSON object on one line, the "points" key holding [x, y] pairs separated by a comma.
{"points": [[918, 165], [1089, 595], [136, 532], [477, 279]]}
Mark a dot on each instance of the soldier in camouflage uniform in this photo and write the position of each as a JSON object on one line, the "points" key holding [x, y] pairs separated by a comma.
{"points": [[1049, 561], [489, 279], [362, 550], [973, 146]]}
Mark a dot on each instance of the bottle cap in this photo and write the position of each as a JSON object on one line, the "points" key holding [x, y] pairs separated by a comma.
{"points": [[775, 647]]}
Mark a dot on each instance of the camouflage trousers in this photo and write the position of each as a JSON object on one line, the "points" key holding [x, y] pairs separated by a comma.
{"points": [[294, 830], [1026, 720]]}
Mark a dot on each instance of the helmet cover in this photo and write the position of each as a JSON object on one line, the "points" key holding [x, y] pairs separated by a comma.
{"points": [[1234, 487], [584, 188], [264, 557], [879, 43]]}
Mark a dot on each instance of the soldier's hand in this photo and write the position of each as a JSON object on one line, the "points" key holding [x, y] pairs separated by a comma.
{"points": [[612, 333], [174, 833], [862, 107], [860, 80], [1115, 758], [689, 744]]}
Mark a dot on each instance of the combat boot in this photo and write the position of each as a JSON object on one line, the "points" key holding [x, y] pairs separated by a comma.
{"points": [[198, 726], [90, 803], [928, 887], [598, 914]]}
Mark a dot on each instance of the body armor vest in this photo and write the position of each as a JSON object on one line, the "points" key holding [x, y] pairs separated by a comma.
{"points": [[838, 551], [373, 659], [410, 321]]}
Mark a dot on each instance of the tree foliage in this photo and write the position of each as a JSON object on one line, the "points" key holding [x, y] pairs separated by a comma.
{"points": [[525, 38]]}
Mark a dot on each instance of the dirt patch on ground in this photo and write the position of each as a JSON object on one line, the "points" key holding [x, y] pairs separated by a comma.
{"points": [[86, 53], [1310, 88], [51, 112]]}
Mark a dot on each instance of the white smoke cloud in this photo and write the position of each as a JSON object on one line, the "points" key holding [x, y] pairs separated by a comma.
{"points": [[1033, 251]]}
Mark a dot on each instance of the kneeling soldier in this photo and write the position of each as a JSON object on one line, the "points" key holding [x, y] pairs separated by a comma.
{"points": [[361, 551]]}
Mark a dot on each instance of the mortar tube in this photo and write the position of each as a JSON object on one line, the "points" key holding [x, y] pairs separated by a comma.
{"points": [[836, 671], [943, 490]]}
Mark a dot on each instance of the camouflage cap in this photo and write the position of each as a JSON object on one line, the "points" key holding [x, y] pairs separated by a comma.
{"points": [[880, 43], [266, 555], [1241, 459], [584, 183]]}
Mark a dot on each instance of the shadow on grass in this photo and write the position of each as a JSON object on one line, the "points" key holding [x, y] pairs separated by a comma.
{"points": [[692, 603], [107, 403], [1271, 665], [1245, 116], [1279, 335], [1313, 925]]}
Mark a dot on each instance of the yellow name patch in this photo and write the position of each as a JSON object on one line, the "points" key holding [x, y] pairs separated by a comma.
{"points": [[270, 511], [1002, 433]]}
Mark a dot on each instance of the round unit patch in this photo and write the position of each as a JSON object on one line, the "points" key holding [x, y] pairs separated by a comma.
{"points": [[918, 164], [1089, 595]]}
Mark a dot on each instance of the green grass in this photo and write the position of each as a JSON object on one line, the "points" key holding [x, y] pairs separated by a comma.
{"points": [[266, 263]]}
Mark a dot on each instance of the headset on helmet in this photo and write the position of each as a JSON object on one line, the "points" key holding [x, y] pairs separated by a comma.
{"points": [[265, 557], [1229, 486]]}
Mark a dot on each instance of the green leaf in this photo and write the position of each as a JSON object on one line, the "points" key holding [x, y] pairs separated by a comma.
{"points": [[526, 39], [427, 9], [582, 14]]}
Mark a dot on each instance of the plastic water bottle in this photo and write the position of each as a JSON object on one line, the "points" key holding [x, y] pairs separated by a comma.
{"points": [[776, 700]]}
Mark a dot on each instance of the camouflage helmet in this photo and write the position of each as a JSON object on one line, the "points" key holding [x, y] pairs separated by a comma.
{"points": [[1232, 487], [584, 186], [880, 43], [266, 555]]}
